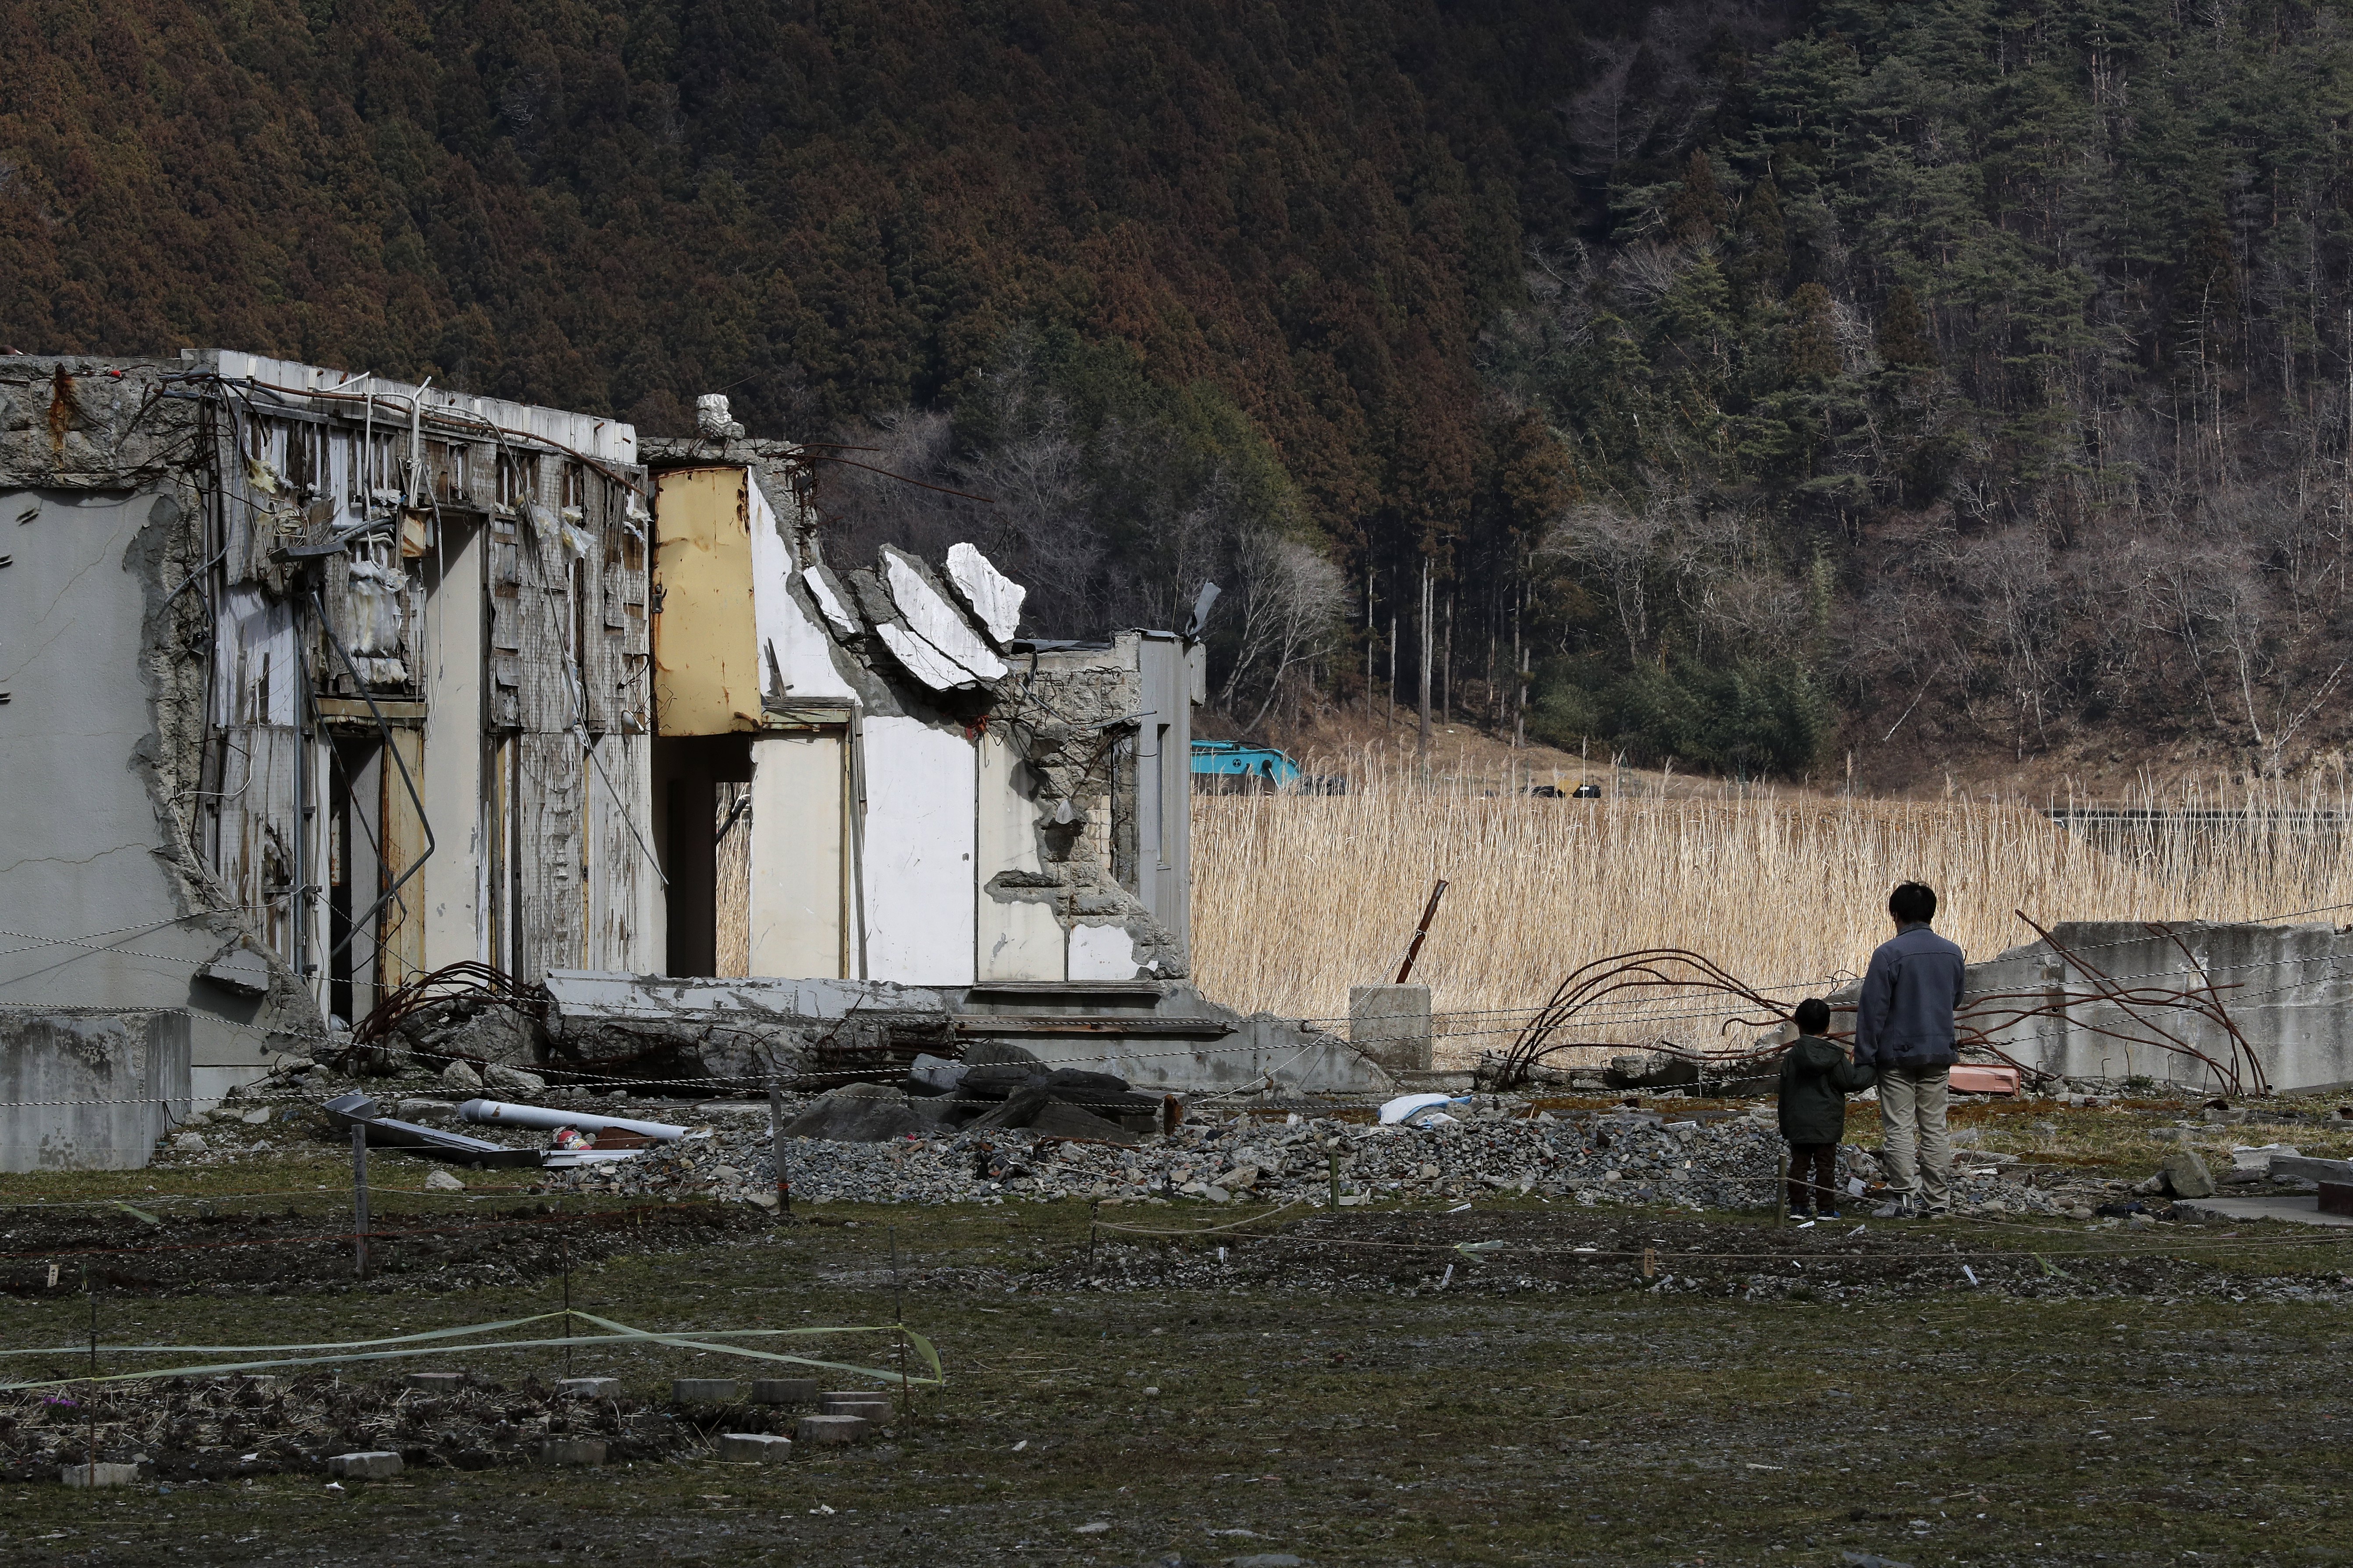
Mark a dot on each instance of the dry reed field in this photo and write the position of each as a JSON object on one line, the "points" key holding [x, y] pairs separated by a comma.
{"points": [[1298, 897]]}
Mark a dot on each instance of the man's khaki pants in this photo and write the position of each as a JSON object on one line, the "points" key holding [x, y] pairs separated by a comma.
{"points": [[1911, 1119]]}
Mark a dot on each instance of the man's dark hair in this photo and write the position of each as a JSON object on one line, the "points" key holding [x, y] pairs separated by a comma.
{"points": [[1913, 903], [1813, 1017]]}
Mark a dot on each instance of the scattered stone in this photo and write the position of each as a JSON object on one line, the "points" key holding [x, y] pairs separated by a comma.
{"points": [[461, 1078], [784, 1391], [194, 1142], [1094, 1527], [832, 1428], [440, 1181], [590, 1387], [572, 1451], [258, 1117], [704, 1391], [754, 1447], [514, 1081], [376, 1464], [2187, 1175]]}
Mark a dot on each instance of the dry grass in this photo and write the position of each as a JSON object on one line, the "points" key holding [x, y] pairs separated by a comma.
{"points": [[1298, 897]]}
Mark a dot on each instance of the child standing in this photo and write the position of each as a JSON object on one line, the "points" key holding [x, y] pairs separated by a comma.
{"points": [[1816, 1078]]}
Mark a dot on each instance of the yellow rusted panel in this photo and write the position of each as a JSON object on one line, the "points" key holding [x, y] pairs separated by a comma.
{"points": [[400, 949], [705, 642]]}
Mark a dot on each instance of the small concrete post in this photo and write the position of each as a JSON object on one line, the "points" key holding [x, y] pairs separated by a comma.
{"points": [[1390, 1024]]}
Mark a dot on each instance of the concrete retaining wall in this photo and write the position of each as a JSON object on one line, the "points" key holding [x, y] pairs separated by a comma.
{"points": [[2289, 989], [90, 1090]]}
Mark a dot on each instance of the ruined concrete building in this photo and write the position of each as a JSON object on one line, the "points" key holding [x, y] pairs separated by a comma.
{"points": [[311, 683]]}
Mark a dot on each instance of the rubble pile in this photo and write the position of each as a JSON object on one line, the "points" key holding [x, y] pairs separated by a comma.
{"points": [[226, 1428], [1627, 1156]]}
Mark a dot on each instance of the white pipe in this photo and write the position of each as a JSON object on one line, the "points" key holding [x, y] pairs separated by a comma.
{"points": [[541, 1118]]}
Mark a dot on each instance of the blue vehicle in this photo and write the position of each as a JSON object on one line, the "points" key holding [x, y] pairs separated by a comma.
{"points": [[1238, 765]]}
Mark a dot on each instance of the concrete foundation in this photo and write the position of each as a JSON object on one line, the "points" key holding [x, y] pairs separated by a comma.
{"points": [[1390, 1024], [90, 1090]]}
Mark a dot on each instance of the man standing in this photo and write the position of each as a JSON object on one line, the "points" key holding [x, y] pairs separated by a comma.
{"points": [[1904, 1027]]}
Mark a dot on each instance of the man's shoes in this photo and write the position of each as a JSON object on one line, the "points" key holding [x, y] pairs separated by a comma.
{"points": [[1905, 1207], [1798, 1214], [1939, 1211]]}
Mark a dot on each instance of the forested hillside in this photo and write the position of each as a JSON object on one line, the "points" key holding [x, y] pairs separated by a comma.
{"points": [[1773, 381]]}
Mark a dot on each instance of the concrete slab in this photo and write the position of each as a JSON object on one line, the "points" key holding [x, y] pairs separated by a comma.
{"points": [[833, 1428], [376, 1464], [103, 1475], [2299, 1208], [863, 1402], [438, 1382], [755, 1448], [572, 1451], [784, 1391]]}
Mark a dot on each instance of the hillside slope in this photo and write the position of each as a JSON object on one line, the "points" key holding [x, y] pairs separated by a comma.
{"points": [[1959, 383]]}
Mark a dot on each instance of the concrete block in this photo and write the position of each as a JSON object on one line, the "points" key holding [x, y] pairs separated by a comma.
{"points": [[1390, 1024], [855, 1402], [105, 1475], [375, 1466], [833, 1428], [438, 1382], [755, 1448], [704, 1391], [589, 1388], [784, 1391], [572, 1451]]}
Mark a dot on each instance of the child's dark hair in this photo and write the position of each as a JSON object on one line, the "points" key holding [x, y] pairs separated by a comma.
{"points": [[1813, 1017]]}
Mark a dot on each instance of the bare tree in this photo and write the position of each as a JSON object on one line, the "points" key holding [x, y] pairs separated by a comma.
{"points": [[1293, 598]]}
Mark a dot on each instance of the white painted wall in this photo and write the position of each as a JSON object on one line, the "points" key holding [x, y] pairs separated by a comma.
{"points": [[777, 618], [919, 853], [797, 825], [1016, 940], [1102, 953]]}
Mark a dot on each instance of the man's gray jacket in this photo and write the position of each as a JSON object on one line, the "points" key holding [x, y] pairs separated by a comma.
{"points": [[1904, 1017]]}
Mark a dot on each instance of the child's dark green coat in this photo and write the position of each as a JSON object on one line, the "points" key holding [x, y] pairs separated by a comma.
{"points": [[1816, 1078]]}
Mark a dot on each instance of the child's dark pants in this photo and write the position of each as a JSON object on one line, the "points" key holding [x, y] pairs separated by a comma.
{"points": [[1821, 1161]]}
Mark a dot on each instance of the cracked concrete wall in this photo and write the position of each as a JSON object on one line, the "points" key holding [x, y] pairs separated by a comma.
{"points": [[102, 661]]}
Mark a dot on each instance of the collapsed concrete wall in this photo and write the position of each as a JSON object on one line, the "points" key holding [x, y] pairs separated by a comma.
{"points": [[1162, 1035], [2289, 990]]}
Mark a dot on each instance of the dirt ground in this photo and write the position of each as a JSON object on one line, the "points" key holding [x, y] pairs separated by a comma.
{"points": [[1325, 1391]]}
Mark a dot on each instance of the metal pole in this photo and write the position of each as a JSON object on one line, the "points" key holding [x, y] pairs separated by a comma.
{"points": [[565, 1242], [359, 1197], [1422, 931]]}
